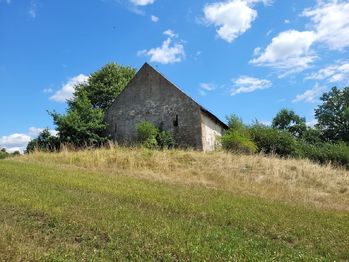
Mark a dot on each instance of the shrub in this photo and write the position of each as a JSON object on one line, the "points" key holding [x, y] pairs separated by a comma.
{"points": [[151, 137], [234, 141], [325, 153], [44, 142], [165, 140], [273, 141]]}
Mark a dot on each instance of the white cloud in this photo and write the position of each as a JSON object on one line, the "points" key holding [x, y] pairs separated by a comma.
{"points": [[142, 2], [154, 18], [330, 22], [289, 52], [19, 141], [311, 95], [336, 73], [15, 142], [286, 21], [67, 90], [232, 18], [171, 51], [246, 84]]}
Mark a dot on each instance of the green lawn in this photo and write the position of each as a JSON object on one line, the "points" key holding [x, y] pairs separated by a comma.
{"points": [[54, 213]]}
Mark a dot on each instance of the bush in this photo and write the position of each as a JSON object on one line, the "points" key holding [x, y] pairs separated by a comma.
{"points": [[234, 141], [165, 140], [273, 141], [44, 142], [325, 153], [151, 137], [147, 133]]}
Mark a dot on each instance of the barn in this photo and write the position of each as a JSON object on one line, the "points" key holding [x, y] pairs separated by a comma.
{"points": [[150, 96]]}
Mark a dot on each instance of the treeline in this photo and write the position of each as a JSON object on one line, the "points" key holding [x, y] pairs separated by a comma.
{"points": [[5, 154], [289, 135], [82, 125]]}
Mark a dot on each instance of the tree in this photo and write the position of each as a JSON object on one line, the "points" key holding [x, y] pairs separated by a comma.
{"points": [[82, 125], [333, 115], [289, 121], [105, 85], [44, 142]]}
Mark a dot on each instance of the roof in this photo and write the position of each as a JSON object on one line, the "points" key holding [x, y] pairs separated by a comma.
{"points": [[204, 110]]}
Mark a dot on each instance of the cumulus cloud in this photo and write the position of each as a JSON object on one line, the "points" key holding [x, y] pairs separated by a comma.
{"points": [[330, 23], [336, 73], [311, 95], [171, 51], [67, 90], [289, 52], [246, 84], [19, 141], [14, 142], [154, 18], [232, 18], [142, 2]]}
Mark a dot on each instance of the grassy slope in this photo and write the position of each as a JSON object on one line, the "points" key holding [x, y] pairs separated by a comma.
{"points": [[58, 207]]}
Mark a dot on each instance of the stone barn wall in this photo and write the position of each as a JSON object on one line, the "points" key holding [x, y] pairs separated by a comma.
{"points": [[149, 96]]}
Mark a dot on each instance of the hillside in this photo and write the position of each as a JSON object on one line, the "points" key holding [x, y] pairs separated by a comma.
{"points": [[138, 204]]}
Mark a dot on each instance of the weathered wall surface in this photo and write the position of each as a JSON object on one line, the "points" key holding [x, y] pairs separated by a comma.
{"points": [[149, 96], [210, 133]]}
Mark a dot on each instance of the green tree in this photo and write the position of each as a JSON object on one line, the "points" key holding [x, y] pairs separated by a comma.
{"points": [[44, 142], [82, 125], [105, 85], [289, 121], [333, 115]]}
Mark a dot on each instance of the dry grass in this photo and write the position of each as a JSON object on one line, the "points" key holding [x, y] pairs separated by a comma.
{"points": [[290, 180]]}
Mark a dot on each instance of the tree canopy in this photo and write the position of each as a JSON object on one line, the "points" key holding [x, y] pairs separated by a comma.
{"points": [[289, 121], [83, 123], [333, 115], [104, 85]]}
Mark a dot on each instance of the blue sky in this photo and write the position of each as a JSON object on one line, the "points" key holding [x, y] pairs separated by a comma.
{"points": [[247, 57]]}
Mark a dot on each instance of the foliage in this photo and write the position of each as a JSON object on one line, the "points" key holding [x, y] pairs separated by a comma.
{"points": [[235, 141], [333, 115], [273, 141], [44, 142], [104, 85], [237, 138], [326, 153], [289, 121], [82, 125], [312, 136], [151, 137], [3, 153], [165, 140]]}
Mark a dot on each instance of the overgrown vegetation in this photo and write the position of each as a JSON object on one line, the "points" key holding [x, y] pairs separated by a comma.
{"points": [[289, 136], [140, 204], [4, 154], [152, 137]]}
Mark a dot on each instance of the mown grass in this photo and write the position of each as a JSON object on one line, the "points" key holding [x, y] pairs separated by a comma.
{"points": [[64, 207]]}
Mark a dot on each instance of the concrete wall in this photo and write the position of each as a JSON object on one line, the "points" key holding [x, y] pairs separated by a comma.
{"points": [[149, 96], [210, 133]]}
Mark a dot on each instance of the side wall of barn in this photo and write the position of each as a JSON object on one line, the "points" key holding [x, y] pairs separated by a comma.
{"points": [[211, 131], [149, 96]]}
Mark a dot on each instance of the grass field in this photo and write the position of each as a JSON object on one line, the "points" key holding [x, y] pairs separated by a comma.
{"points": [[136, 204]]}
